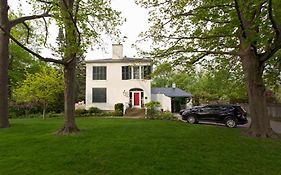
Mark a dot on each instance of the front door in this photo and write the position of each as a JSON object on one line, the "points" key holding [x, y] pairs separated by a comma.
{"points": [[136, 99]]}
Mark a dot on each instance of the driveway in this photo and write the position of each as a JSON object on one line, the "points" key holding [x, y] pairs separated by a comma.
{"points": [[276, 126]]}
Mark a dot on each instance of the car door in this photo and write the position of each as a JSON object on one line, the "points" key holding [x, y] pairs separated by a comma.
{"points": [[217, 113], [204, 113]]}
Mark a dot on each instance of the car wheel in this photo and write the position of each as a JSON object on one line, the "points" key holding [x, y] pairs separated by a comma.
{"points": [[191, 119], [230, 122]]}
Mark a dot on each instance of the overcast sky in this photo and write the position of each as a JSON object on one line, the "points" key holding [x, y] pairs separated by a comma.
{"points": [[136, 22]]}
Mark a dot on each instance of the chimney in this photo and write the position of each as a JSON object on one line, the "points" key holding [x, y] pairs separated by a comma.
{"points": [[174, 85], [117, 51]]}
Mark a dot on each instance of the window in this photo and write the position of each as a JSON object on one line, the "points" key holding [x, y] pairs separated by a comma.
{"points": [[99, 95], [145, 72], [99, 73], [126, 73], [136, 72]]}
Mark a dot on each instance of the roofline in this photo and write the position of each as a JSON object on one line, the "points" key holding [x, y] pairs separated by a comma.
{"points": [[124, 60], [188, 93]]}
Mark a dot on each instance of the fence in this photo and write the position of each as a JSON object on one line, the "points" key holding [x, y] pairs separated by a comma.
{"points": [[274, 110]]}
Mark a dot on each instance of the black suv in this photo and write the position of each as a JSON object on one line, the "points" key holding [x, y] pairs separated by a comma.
{"points": [[230, 115]]}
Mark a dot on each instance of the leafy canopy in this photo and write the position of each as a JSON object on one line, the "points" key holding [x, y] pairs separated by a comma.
{"points": [[42, 87]]}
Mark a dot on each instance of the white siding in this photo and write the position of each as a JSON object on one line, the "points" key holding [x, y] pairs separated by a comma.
{"points": [[164, 101], [117, 89]]}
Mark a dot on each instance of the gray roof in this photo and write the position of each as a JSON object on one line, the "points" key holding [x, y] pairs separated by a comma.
{"points": [[124, 60], [171, 92]]}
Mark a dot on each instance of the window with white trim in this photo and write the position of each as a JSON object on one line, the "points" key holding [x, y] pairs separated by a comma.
{"points": [[99, 95], [99, 72]]}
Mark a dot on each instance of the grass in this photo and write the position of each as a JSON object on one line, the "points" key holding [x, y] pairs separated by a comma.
{"points": [[133, 146]]}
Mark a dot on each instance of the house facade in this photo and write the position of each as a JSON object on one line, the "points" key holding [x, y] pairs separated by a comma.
{"points": [[118, 80], [128, 80]]}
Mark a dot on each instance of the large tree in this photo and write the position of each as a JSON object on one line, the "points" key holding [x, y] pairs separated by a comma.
{"points": [[82, 23], [186, 31], [6, 25]]}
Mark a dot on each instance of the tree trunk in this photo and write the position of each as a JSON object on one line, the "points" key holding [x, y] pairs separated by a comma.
{"points": [[70, 52], [260, 121], [4, 63], [44, 110], [69, 100]]}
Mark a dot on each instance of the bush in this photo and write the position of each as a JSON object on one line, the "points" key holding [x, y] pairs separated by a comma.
{"points": [[53, 115], [152, 111], [94, 110], [24, 110], [80, 112], [118, 107]]}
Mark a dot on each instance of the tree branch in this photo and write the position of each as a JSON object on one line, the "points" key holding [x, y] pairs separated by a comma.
{"points": [[258, 10], [46, 31], [73, 21], [77, 5], [32, 52], [276, 41], [274, 23], [45, 2], [216, 52], [195, 60], [241, 18], [28, 31], [26, 18], [197, 37]]}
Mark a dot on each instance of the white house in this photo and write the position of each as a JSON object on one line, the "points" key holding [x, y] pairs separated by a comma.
{"points": [[123, 80], [118, 80]]}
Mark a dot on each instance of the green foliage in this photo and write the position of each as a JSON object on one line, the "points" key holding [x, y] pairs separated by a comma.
{"points": [[272, 73], [165, 116], [151, 109], [94, 19], [152, 104], [94, 110], [80, 79], [213, 83], [43, 87], [81, 112], [24, 110], [118, 109], [208, 33], [21, 62], [54, 115]]}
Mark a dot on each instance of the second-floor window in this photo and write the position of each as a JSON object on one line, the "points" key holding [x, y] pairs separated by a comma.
{"points": [[126, 73], [146, 72], [99, 73], [136, 72]]}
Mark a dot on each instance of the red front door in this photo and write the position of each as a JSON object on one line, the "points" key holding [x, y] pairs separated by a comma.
{"points": [[136, 99]]}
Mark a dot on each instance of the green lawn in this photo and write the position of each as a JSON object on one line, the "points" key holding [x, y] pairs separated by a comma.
{"points": [[132, 146]]}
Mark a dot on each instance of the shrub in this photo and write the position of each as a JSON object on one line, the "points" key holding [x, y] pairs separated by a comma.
{"points": [[152, 109], [118, 107], [80, 112], [94, 110], [23, 110], [53, 114]]}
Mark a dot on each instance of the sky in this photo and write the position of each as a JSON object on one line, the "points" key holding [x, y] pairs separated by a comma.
{"points": [[136, 22]]}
